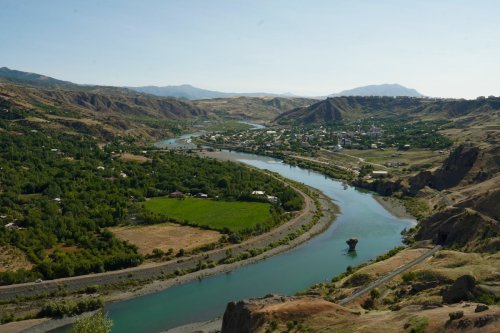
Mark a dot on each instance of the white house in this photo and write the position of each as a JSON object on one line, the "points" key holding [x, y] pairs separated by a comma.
{"points": [[258, 193]]}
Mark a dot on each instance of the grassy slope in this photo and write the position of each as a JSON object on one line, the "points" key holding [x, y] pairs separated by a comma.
{"points": [[217, 215]]}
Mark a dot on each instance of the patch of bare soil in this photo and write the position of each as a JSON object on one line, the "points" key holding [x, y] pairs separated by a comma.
{"points": [[12, 259], [165, 236], [134, 158]]}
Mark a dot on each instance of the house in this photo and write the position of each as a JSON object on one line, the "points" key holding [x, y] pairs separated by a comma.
{"points": [[202, 195], [379, 174], [176, 194], [123, 174], [258, 193], [100, 167], [272, 199]]}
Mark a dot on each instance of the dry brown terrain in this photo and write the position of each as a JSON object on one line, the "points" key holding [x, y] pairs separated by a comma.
{"points": [[315, 315], [12, 259], [134, 158], [165, 236], [419, 302]]}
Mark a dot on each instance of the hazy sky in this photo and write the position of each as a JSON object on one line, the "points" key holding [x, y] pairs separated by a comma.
{"points": [[440, 47]]}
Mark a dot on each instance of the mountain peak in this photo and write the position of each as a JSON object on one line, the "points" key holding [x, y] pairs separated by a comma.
{"points": [[386, 89]]}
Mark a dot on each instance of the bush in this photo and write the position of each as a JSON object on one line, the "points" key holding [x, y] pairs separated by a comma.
{"points": [[61, 309], [456, 315], [374, 293], [97, 323], [358, 279]]}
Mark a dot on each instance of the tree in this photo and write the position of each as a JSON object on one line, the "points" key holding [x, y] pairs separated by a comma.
{"points": [[97, 323]]}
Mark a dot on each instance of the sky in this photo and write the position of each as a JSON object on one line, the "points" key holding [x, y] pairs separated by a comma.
{"points": [[442, 48]]}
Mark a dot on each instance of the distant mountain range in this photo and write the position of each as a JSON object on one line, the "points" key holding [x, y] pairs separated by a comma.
{"points": [[187, 91], [390, 90]]}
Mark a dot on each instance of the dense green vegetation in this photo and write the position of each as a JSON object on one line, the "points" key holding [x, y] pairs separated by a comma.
{"points": [[212, 214], [59, 192]]}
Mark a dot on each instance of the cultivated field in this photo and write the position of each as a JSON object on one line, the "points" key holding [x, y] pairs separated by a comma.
{"points": [[217, 215], [165, 236]]}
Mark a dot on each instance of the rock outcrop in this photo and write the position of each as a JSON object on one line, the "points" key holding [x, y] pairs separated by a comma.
{"points": [[463, 228], [451, 173], [352, 242], [463, 289]]}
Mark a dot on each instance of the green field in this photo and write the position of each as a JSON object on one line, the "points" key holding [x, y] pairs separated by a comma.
{"points": [[217, 215], [229, 126]]}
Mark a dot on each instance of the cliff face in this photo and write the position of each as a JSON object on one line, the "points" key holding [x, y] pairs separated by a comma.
{"points": [[462, 228], [470, 222], [454, 170], [239, 317], [455, 167]]}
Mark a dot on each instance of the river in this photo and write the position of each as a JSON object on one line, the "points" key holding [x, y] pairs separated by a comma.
{"points": [[315, 261]]}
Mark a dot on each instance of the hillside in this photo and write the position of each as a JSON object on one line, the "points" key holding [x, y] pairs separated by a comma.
{"points": [[338, 109], [391, 90], [252, 108], [98, 113], [15, 76]]}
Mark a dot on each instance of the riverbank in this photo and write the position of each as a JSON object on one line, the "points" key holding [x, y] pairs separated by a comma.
{"points": [[213, 325], [393, 206]]}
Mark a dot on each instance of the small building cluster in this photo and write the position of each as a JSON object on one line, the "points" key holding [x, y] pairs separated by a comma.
{"points": [[270, 198]]}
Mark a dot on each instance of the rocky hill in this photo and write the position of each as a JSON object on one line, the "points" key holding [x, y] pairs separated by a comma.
{"points": [[15, 76], [101, 113], [252, 108], [337, 109]]}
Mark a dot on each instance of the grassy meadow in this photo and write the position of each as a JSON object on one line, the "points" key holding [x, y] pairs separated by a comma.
{"points": [[234, 215]]}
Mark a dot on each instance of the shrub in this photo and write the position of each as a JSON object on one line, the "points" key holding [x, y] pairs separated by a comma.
{"points": [[358, 279], [456, 315], [97, 323], [374, 293]]}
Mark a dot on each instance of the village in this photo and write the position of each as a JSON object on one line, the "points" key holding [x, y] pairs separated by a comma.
{"points": [[385, 146], [361, 135]]}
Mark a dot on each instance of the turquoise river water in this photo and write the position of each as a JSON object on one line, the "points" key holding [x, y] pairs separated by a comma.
{"points": [[315, 261]]}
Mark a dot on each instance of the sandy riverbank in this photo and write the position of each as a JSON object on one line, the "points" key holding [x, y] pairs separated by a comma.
{"points": [[393, 206], [213, 325]]}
